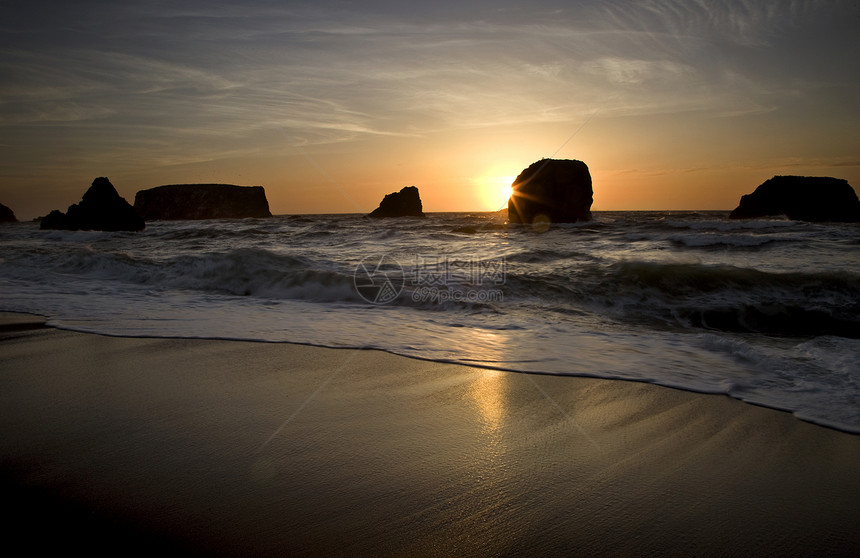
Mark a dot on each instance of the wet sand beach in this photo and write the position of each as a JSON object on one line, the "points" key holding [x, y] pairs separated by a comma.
{"points": [[228, 448]]}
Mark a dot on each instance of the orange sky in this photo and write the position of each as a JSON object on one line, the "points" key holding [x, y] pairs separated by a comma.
{"points": [[329, 107]]}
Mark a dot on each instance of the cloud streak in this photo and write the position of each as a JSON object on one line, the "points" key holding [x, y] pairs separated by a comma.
{"points": [[385, 76], [208, 80]]}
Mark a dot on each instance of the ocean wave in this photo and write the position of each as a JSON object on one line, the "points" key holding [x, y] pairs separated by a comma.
{"points": [[727, 225], [773, 319], [766, 311], [245, 272], [546, 256], [696, 296], [736, 299], [252, 272], [712, 240]]}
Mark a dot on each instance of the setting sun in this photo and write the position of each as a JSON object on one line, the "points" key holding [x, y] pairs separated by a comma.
{"points": [[495, 191]]}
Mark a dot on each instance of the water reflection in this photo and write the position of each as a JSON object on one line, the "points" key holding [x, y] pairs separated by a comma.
{"points": [[489, 389], [488, 392]]}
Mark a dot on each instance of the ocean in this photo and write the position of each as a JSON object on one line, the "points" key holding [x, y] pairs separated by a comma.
{"points": [[765, 311]]}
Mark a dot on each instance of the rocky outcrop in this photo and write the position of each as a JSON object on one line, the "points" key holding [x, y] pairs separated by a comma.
{"points": [[802, 198], [202, 201], [55, 220], [6, 215], [551, 191], [405, 203], [100, 209]]}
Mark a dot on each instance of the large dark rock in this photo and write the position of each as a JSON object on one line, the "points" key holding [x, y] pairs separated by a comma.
{"points": [[55, 220], [101, 209], [803, 198], [405, 203], [551, 191], [6, 215], [202, 201]]}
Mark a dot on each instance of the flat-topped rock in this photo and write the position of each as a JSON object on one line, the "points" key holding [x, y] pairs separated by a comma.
{"points": [[803, 198], [202, 201], [405, 203], [551, 191]]}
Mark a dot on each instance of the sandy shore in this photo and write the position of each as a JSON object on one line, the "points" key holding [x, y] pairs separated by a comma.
{"points": [[234, 448]]}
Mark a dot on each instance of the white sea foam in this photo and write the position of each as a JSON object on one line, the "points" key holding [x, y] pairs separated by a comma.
{"points": [[637, 296]]}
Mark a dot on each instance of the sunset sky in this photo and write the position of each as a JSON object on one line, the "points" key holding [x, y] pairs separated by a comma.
{"points": [[331, 105]]}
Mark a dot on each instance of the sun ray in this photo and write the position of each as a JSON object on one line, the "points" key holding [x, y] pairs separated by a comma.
{"points": [[495, 191]]}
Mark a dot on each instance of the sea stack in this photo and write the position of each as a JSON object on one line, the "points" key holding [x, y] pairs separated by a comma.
{"points": [[7, 215], [551, 191], [202, 201], [801, 198], [100, 209], [405, 203]]}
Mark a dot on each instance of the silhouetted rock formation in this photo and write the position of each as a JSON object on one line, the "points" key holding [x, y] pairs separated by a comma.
{"points": [[6, 215], [101, 209], [202, 201], [802, 198], [55, 220], [552, 191], [405, 203]]}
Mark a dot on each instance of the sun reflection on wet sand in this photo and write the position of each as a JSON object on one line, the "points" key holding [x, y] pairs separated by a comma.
{"points": [[489, 389], [488, 392]]}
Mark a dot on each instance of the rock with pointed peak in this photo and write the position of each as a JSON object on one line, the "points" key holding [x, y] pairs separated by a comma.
{"points": [[405, 203], [100, 209]]}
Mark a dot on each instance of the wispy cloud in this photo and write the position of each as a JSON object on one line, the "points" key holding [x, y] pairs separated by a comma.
{"points": [[194, 80], [377, 74]]}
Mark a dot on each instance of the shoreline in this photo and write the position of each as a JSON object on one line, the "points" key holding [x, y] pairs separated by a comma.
{"points": [[228, 447], [831, 425]]}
